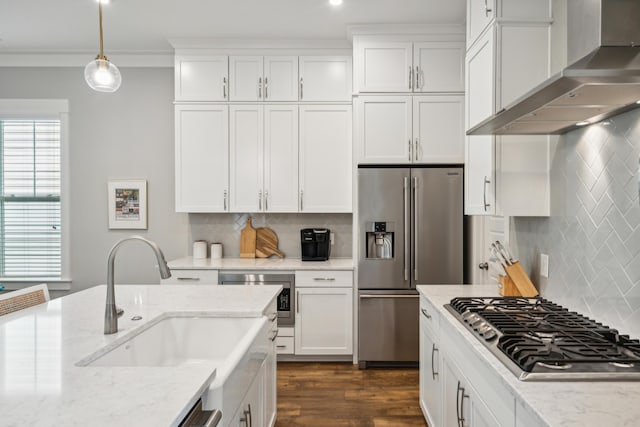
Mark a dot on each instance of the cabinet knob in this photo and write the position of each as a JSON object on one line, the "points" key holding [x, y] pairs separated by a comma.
{"points": [[483, 266]]}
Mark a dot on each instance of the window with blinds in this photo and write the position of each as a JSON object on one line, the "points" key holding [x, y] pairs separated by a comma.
{"points": [[30, 182]]}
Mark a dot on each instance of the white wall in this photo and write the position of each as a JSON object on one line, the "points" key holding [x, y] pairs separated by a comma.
{"points": [[127, 134]]}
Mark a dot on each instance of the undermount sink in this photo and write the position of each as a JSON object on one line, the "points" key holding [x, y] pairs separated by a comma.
{"points": [[179, 340]]}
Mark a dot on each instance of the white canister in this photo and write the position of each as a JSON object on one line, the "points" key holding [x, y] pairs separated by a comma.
{"points": [[216, 250], [199, 249]]}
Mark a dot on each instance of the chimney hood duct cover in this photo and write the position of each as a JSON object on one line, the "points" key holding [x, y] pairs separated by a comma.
{"points": [[604, 83]]}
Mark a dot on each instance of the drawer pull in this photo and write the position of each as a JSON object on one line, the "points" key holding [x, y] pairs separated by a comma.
{"points": [[273, 317], [324, 279], [425, 313], [275, 334], [189, 279], [281, 346]]}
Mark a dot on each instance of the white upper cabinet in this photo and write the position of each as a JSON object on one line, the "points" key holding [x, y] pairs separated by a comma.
{"points": [[201, 78], [426, 129], [384, 67], [268, 78], [480, 13], [263, 158], [438, 128], [394, 66], [202, 158], [325, 78], [325, 158], [438, 66]]}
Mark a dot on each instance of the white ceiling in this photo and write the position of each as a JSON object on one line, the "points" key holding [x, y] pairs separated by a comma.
{"points": [[145, 25]]}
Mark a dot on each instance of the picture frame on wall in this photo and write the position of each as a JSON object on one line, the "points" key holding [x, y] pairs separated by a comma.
{"points": [[127, 201]]}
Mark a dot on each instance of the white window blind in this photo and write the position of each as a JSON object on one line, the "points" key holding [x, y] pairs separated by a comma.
{"points": [[30, 182]]}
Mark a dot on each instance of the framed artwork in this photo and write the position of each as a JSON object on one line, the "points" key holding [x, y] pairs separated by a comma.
{"points": [[127, 204]]}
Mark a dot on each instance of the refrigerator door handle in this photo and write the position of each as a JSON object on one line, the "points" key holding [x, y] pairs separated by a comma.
{"points": [[415, 228], [370, 296], [405, 196]]}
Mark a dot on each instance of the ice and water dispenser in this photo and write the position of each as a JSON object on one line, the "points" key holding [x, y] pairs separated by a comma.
{"points": [[380, 240]]}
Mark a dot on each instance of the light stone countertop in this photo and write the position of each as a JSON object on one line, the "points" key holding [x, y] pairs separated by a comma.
{"points": [[188, 263], [41, 386], [552, 403]]}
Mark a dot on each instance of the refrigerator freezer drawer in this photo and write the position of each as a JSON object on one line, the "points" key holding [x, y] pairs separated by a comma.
{"points": [[388, 328]]}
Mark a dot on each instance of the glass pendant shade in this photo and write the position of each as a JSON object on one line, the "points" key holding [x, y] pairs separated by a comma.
{"points": [[102, 76]]}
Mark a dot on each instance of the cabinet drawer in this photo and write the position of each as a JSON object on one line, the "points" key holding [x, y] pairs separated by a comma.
{"points": [[192, 277], [324, 278], [429, 315], [284, 345], [285, 332]]}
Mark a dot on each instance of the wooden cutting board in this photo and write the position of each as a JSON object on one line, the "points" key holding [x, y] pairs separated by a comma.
{"points": [[248, 241], [267, 243]]}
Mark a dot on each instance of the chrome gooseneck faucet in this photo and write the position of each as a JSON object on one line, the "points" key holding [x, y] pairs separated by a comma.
{"points": [[111, 312]]}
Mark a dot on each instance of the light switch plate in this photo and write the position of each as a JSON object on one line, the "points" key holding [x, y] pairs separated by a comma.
{"points": [[544, 265], [331, 238]]}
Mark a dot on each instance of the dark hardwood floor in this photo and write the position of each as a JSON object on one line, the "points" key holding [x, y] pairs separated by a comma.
{"points": [[339, 394]]}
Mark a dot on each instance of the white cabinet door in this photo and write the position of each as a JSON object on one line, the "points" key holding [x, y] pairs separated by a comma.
{"points": [[280, 190], [201, 78], [325, 158], [439, 66], [384, 67], [202, 158], [438, 128], [480, 150], [479, 14], [384, 133], [453, 398], [246, 157], [280, 78], [245, 78], [270, 390], [324, 321], [325, 78], [429, 374]]}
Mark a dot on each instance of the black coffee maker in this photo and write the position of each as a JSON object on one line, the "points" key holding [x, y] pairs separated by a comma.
{"points": [[315, 244]]}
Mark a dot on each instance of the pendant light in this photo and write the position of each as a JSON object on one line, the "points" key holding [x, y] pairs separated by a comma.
{"points": [[100, 74]]}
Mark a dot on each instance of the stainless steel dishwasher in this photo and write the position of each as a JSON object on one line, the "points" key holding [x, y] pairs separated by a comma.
{"points": [[286, 298]]}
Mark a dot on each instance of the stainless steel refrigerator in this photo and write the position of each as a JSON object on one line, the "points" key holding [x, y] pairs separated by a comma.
{"points": [[411, 232]]}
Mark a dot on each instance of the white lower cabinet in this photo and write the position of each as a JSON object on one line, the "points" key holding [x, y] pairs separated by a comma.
{"points": [[251, 409], [324, 313], [456, 388]]}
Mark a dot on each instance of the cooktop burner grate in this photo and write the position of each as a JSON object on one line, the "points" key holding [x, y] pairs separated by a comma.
{"points": [[541, 336]]}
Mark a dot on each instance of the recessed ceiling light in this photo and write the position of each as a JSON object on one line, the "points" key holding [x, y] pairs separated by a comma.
{"points": [[335, 2], [583, 123], [637, 102]]}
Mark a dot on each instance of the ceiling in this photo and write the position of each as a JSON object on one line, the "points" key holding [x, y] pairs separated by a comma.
{"points": [[145, 25]]}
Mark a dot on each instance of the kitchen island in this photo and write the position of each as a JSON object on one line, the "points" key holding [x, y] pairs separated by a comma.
{"points": [[41, 383], [495, 396]]}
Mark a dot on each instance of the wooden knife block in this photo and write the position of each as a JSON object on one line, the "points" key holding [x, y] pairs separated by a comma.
{"points": [[516, 283]]}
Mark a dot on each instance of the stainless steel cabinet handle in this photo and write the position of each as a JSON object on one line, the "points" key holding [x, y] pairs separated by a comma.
{"points": [[273, 338], [418, 78], [383, 296], [259, 87], [405, 198], [460, 396], [273, 317], [484, 193], [281, 346], [487, 9], [483, 266], [225, 200], [417, 150], [425, 313], [224, 87], [301, 198], [324, 279], [434, 374], [250, 415], [259, 200], [214, 419], [301, 89], [188, 279], [266, 87], [410, 151], [266, 200], [410, 77], [297, 302], [416, 231]]}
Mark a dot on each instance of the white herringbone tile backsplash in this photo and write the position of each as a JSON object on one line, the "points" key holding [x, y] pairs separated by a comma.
{"points": [[593, 234]]}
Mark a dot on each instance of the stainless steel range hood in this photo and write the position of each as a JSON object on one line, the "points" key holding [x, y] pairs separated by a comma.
{"points": [[603, 48]]}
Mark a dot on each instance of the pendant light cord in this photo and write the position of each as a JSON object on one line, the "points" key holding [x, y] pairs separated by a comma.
{"points": [[101, 56]]}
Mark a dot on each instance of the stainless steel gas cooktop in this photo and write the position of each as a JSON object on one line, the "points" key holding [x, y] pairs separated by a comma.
{"points": [[539, 340]]}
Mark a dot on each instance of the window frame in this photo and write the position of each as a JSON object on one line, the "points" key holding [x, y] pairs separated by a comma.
{"points": [[47, 109]]}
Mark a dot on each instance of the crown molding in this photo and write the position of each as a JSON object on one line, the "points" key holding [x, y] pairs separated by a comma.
{"points": [[404, 29], [222, 43]]}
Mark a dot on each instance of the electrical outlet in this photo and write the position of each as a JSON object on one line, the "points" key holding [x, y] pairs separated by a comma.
{"points": [[332, 238], [544, 265]]}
